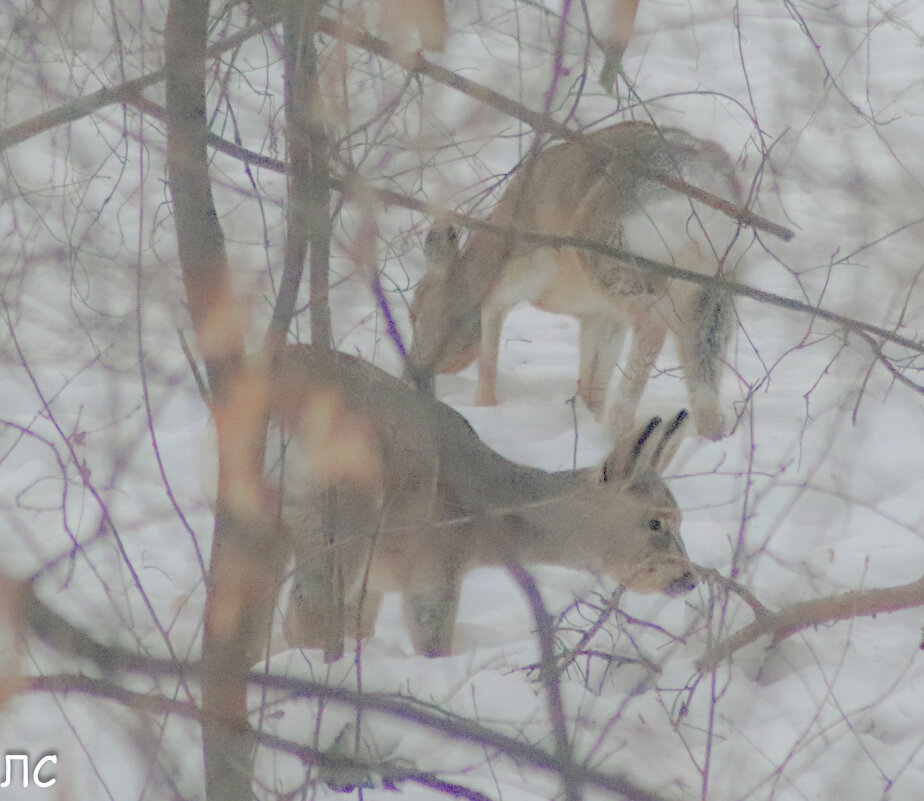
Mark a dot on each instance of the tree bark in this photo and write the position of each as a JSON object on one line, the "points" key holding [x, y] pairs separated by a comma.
{"points": [[246, 556]]}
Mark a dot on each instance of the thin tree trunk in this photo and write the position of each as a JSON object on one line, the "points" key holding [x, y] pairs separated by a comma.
{"points": [[246, 558], [309, 230]]}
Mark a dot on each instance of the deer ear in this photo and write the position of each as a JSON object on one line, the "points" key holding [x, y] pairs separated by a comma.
{"points": [[657, 444], [671, 436], [651, 449], [623, 459], [441, 249]]}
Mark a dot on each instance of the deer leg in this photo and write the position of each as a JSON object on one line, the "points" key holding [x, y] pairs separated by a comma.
{"points": [[308, 611], [601, 341], [360, 615], [313, 615], [492, 320], [702, 342], [430, 603], [647, 341]]}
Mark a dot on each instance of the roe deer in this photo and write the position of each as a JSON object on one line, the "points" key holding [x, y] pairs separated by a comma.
{"points": [[603, 188], [421, 501]]}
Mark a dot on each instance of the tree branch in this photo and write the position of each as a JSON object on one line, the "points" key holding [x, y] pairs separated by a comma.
{"points": [[859, 603], [391, 773], [308, 217], [415, 63], [63, 636], [356, 186], [308, 223], [550, 678], [126, 92]]}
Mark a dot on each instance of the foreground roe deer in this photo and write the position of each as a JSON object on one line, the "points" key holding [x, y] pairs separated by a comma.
{"points": [[418, 500], [600, 188]]}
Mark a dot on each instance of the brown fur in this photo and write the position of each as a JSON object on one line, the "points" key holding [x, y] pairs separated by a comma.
{"points": [[425, 501], [596, 189]]}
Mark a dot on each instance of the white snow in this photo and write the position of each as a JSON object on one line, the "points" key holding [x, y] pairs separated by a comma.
{"points": [[816, 492]]}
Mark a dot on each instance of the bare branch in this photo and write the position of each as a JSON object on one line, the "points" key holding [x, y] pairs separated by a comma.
{"points": [[860, 603], [354, 186], [415, 63], [308, 217], [392, 774], [887, 363], [550, 677], [122, 93], [58, 633], [308, 224]]}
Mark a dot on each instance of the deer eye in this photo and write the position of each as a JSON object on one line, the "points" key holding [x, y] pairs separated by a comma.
{"points": [[654, 524]]}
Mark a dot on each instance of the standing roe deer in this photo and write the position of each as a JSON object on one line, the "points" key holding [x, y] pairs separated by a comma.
{"points": [[601, 188], [419, 500]]}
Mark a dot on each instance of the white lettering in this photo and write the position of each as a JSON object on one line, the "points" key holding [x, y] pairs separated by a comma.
{"points": [[53, 759], [9, 769]]}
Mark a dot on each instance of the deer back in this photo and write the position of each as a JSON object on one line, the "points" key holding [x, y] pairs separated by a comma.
{"points": [[431, 490], [369, 428], [589, 187]]}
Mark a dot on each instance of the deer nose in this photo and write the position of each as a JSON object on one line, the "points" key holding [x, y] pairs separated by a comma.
{"points": [[680, 585], [420, 377]]}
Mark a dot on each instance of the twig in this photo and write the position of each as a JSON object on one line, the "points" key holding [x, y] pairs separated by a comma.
{"points": [[194, 368], [550, 677], [415, 63], [122, 93], [353, 187], [859, 603], [159, 704], [59, 634], [543, 123], [714, 577], [891, 368]]}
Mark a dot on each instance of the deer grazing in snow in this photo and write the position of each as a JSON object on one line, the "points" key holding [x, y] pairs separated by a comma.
{"points": [[418, 500], [610, 187]]}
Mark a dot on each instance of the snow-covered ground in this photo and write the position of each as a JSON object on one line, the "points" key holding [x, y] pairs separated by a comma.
{"points": [[817, 491]]}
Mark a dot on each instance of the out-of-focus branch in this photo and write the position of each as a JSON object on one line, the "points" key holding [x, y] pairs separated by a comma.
{"points": [[247, 557], [309, 225], [308, 209], [415, 63], [390, 773], [550, 677], [204, 263], [81, 107], [860, 603], [618, 34], [543, 123], [355, 185], [65, 637]]}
